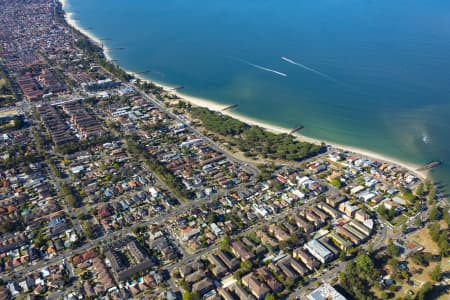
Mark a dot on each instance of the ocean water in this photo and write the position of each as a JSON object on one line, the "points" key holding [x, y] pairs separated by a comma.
{"points": [[366, 73]]}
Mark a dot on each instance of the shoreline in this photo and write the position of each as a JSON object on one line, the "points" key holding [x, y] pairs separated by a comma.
{"points": [[69, 17], [215, 106]]}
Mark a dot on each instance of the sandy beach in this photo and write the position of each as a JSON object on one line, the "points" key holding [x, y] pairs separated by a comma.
{"points": [[279, 129], [271, 127], [72, 22]]}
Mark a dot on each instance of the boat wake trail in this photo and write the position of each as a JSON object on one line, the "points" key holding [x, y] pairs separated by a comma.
{"points": [[309, 69], [262, 68]]}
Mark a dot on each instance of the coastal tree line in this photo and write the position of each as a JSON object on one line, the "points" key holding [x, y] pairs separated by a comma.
{"points": [[254, 140]]}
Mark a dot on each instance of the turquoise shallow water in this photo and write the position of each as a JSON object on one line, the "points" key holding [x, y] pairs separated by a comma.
{"points": [[370, 74]]}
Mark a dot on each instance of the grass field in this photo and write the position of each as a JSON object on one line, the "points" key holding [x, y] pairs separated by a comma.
{"points": [[423, 238], [420, 274]]}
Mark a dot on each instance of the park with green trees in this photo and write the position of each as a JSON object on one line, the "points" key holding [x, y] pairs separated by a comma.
{"points": [[254, 141]]}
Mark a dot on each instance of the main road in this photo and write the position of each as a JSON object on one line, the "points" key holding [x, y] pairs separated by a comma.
{"points": [[245, 165]]}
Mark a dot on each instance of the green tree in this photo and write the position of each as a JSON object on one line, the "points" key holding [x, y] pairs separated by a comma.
{"points": [[446, 216], [434, 229], [433, 213], [70, 195], [356, 285], [212, 218], [424, 291], [404, 228], [418, 221], [269, 297], [420, 259], [246, 266], [254, 140], [336, 183], [405, 275], [392, 250], [342, 256], [364, 265], [419, 190], [387, 214], [88, 230], [436, 273], [443, 243], [39, 241], [225, 243], [174, 184], [185, 285], [8, 227], [187, 296], [394, 264], [431, 195]]}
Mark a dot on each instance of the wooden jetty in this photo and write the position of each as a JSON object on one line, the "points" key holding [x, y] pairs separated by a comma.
{"points": [[297, 128], [143, 72], [230, 107], [177, 88], [430, 165]]}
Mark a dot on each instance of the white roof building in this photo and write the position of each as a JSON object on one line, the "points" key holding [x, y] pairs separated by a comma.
{"points": [[77, 169], [319, 251], [298, 194], [367, 196], [357, 189], [325, 292], [216, 229], [260, 210]]}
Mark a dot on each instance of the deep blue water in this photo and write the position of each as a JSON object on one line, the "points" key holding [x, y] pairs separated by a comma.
{"points": [[375, 73]]}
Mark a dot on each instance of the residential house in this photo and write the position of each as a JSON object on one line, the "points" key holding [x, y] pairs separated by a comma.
{"points": [[257, 288]]}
